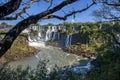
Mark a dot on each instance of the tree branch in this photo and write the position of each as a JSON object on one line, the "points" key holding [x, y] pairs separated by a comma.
{"points": [[51, 2], [111, 4], [9, 18], [21, 12], [9, 7], [25, 8], [67, 15]]}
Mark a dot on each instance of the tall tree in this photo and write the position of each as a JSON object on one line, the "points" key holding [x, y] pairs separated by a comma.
{"points": [[109, 12]]}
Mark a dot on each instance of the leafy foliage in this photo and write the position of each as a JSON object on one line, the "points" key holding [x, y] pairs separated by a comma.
{"points": [[107, 64]]}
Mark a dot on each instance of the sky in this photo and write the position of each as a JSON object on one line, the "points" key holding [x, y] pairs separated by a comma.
{"points": [[42, 6]]}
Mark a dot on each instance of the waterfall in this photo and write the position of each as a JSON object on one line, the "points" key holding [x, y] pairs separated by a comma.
{"points": [[83, 70], [53, 28], [33, 33], [64, 28], [100, 26], [55, 32], [39, 35], [118, 37], [68, 40], [32, 38], [29, 38], [35, 39], [88, 65], [35, 36], [48, 34], [73, 28], [54, 36], [58, 34]]}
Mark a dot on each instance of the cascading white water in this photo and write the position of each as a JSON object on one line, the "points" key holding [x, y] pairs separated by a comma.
{"points": [[58, 35], [53, 28], [84, 69], [64, 28], [68, 40], [118, 37], [48, 34], [40, 29], [29, 38], [37, 43], [73, 28], [100, 26], [35, 37], [39, 35], [55, 32], [81, 69], [54, 36]]}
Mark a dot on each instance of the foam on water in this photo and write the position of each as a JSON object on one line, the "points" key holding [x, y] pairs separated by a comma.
{"points": [[37, 44]]}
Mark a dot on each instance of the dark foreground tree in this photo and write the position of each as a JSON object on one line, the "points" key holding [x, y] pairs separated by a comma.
{"points": [[12, 5]]}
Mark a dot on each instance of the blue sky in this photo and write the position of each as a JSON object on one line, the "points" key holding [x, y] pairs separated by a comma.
{"points": [[42, 6]]}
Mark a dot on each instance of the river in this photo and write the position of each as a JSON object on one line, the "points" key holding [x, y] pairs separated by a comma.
{"points": [[55, 56]]}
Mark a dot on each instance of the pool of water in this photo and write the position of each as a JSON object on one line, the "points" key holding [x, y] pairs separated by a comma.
{"points": [[55, 56]]}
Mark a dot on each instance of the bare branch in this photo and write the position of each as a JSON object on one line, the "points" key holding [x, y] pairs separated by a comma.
{"points": [[108, 2], [51, 2], [9, 7], [108, 12], [21, 12], [9, 18], [25, 8], [67, 15], [111, 4]]}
